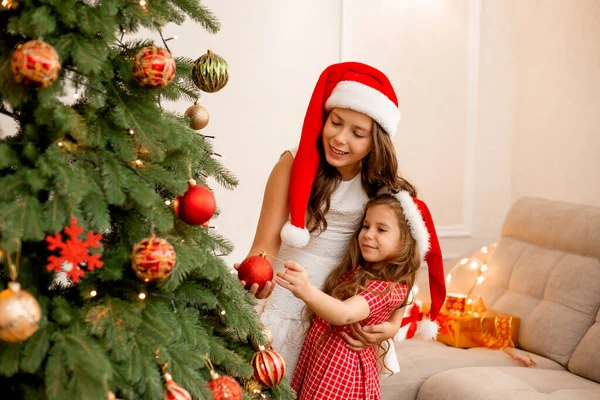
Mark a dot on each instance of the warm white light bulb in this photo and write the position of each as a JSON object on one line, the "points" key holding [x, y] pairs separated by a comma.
{"points": [[76, 96], [142, 3], [463, 261], [138, 162], [223, 312], [448, 278], [474, 264], [93, 293], [480, 279], [483, 268], [168, 202], [484, 250], [142, 296]]}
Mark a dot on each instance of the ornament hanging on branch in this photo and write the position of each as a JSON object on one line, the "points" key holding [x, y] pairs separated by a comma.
{"points": [[153, 258], [153, 67], [198, 116], [269, 367], [197, 205], [223, 387], [74, 253], [36, 64], [172, 390], [210, 72], [256, 269], [20, 312]]}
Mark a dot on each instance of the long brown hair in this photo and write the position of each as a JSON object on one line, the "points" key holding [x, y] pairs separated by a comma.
{"points": [[379, 169]]}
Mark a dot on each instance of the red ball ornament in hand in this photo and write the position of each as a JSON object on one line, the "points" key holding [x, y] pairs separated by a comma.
{"points": [[256, 269], [153, 259], [35, 64], [269, 367], [197, 205], [224, 387], [153, 67]]}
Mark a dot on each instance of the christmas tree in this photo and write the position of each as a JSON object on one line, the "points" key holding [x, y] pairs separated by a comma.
{"points": [[113, 282]]}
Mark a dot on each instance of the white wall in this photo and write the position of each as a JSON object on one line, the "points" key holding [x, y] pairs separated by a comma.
{"points": [[556, 146]]}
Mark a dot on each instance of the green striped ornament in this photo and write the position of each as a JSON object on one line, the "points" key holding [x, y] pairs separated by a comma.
{"points": [[210, 72]]}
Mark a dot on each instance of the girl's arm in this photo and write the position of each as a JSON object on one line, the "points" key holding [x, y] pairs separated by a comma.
{"points": [[273, 215], [370, 335], [332, 310]]}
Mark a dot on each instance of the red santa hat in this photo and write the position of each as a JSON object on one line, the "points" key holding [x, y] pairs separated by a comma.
{"points": [[365, 89], [423, 231], [348, 85]]}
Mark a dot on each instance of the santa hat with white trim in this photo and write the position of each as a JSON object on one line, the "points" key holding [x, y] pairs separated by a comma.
{"points": [[423, 231], [348, 85], [365, 89]]}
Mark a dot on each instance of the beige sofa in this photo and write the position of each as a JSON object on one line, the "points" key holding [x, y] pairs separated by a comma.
{"points": [[545, 270]]}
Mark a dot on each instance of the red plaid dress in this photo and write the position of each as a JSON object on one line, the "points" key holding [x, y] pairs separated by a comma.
{"points": [[328, 370]]}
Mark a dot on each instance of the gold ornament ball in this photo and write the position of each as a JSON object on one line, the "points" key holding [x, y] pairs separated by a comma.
{"points": [[198, 116], [20, 314]]}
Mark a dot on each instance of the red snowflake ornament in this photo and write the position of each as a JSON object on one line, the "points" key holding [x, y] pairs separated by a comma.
{"points": [[74, 251]]}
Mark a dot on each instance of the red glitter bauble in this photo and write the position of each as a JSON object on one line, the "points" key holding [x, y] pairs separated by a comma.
{"points": [[256, 269], [153, 67], [225, 388], [153, 259]]}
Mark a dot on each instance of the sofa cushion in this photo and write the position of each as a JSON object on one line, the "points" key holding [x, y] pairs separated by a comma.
{"points": [[507, 383], [546, 270], [421, 359], [586, 358]]}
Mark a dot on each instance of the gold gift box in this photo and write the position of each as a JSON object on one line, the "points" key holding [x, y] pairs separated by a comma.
{"points": [[489, 329]]}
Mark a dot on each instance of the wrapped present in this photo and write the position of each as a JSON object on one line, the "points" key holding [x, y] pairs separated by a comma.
{"points": [[480, 327], [488, 329]]}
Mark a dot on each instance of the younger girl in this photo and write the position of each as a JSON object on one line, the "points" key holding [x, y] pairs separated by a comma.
{"points": [[373, 280]]}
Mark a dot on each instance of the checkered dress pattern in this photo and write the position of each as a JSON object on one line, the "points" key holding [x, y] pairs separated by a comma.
{"points": [[328, 370]]}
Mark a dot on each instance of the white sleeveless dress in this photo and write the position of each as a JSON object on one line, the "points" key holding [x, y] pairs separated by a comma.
{"points": [[286, 314]]}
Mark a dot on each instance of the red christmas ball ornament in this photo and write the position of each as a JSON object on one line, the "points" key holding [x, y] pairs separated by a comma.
{"points": [[153, 258], [197, 205], [153, 67], [256, 269], [224, 387], [36, 64], [269, 367]]}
